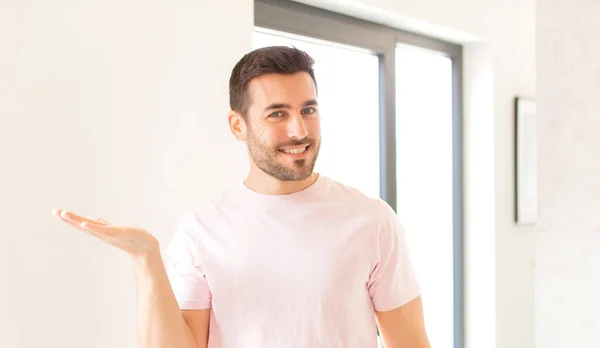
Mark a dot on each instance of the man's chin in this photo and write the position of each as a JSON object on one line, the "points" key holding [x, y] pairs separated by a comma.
{"points": [[296, 178], [294, 174]]}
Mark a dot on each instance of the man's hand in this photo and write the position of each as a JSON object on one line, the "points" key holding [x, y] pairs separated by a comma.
{"points": [[134, 240]]}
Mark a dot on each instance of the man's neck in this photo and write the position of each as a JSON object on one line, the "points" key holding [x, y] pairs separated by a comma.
{"points": [[266, 184]]}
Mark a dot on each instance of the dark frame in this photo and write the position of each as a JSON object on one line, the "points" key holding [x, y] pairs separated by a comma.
{"points": [[296, 18], [523, 108]]}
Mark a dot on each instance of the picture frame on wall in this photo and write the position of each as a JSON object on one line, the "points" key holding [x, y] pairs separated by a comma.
{"points": [[526, 190]]}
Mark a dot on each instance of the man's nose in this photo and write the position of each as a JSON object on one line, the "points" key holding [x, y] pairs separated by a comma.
{"points": [[297, 127]]}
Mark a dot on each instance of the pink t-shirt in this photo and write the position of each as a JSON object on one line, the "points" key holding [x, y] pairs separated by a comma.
{"points": [[300, 270]]}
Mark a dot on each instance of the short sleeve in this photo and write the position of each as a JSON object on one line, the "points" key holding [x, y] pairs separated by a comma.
{"points": [[393, 281], [185, 273]]}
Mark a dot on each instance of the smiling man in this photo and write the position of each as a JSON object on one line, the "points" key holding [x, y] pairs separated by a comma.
{"points": [[286, 258]]}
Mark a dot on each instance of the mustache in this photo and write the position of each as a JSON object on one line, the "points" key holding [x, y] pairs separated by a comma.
{"points": [[296, 142]]}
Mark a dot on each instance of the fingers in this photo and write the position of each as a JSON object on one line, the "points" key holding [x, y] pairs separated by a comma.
{"points": [[88, 225], [77, 219], [58, 214], [104, 230]]}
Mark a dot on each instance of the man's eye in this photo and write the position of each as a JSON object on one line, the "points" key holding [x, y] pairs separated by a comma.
{"points": [[276, 114], [308, 111]]}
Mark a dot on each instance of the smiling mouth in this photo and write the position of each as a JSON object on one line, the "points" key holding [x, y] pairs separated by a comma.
{"points": [[296, 150]]}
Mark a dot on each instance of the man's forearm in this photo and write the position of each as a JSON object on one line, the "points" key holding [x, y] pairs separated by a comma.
{"points": [[160, 321]]}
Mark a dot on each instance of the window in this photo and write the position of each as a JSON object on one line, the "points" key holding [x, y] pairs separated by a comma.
{"points": [[425, 178], [406, 110]]}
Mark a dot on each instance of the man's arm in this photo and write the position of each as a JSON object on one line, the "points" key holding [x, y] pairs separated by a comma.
{"points": [[161, 323], [404, 326], [198, 321]]}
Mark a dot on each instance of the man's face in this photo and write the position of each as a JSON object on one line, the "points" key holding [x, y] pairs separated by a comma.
{"points": [[283, 132]]}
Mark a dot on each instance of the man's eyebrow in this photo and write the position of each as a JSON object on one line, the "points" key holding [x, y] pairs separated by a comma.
{"points": [[288, 106], [277, 106]]}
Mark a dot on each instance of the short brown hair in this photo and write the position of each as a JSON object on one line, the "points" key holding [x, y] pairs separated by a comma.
{"points": [[267, 60]]}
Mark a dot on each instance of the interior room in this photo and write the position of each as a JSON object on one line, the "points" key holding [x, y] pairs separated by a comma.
{"points": [[475, 121]]}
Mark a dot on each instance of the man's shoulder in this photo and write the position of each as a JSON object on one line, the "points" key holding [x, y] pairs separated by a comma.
{"points": [[352, 196]]}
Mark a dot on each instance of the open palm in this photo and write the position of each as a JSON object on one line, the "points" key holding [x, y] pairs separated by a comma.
{"points": [[134, 240]]}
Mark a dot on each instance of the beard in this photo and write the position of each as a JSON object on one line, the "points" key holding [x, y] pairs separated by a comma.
{"points": [[266, 158]]}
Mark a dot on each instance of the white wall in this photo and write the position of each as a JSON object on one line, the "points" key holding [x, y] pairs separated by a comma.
{"points": [[499, 63], [114, 109], [568, 233]]}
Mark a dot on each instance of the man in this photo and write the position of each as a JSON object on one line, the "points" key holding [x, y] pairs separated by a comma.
{"points": [[288, 258]]}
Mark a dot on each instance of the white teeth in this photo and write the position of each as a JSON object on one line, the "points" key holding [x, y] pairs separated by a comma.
{"points": [[295, 151]]}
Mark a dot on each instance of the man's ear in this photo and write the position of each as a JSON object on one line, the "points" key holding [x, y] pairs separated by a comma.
{"points": [[237, 125]]}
